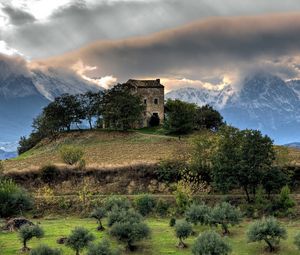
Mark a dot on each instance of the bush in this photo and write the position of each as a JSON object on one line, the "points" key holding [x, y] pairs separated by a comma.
{"points": [[71, 154], [27, 232], [182, 201], [99, 213], [183, 230], [116, 202], [49, 173], [145, 204], [172, 222], [79, 239], [225, 214], [101, 248], [268, 230], [297, 240], [209, 242], [162, 207], [123, 216], [13, 199], [130, 232], [169, 171], [283, 205], [198, 214], [44, 250]]}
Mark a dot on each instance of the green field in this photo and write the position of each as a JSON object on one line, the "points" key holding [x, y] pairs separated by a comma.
{"points": [[163, 240]]}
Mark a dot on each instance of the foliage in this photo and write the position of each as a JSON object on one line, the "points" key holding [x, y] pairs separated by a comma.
{"points": [[241, 160], [79, 239], [297, 240], [169, 170], [209, 242], [99, 213], [207, 117], [162, 207], [13, 199], [130, 232], [27, 232], [121, 108], [145, 204], [268, 230], [284, 204], [225, 214], [116, 202], [45, 250], [198, 213], [122, 215], [172, 222], [101, 248], [273, 180], [179, 117], [183, 230], [71, 154], [182, 198], [49, 173]]}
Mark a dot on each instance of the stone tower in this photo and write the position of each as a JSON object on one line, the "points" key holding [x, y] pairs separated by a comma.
{"points": [[152, 93]]}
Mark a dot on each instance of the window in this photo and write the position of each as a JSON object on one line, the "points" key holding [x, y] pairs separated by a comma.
{"points": [[155, 100], [145, 101]]}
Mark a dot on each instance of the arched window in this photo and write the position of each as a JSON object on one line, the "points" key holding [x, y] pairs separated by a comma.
{"points": [[155, 100]]}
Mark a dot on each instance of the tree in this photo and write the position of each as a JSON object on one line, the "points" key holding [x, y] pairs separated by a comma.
{"points": [[241, 160], [123, 215], [99, 213], [27, 232], [122, 108], [225, 214], [183, 230], [179, 117], [71, 154], [130, 232], [145, 204], [79, 239], [297, 240], [101, 248], [207, 117], [284, 203], [45, 250], [91, 105], [209, 242], [198, 213], [268, 230]]}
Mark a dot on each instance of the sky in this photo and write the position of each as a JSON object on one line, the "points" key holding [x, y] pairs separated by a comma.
{"points": [[185, 43]]}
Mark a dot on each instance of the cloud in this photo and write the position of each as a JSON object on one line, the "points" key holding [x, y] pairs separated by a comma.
{"points": [[203, 50], [12, 65], [18, 17]]}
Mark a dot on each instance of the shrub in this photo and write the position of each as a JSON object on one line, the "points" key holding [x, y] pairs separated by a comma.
{"points": [[198, 214], [116, 202], [183, 230], [27, 232], [169, 171], [79, 239], [209, 242], [225, 214], [130, 232], [268, 230], [182, 201], [13, 199], [162, 207], [99, 213], [71, 154], [283, 205], [49, 173], [123, 216], [172, 222], [297, 240], [145, 204], [101, 248], [44, 250]]}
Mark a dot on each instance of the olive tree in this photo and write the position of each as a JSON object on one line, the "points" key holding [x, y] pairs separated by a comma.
{"points": [[198, 213], [268, 230], [225, 214], [27, 232], [101, 248], [209, 242], [79, 239], [145, 204], [45, 250], [183, 230], [297, 240], [99, 213]]}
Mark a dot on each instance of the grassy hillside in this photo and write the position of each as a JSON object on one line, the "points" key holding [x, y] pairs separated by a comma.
{"points": [[102, 148]]}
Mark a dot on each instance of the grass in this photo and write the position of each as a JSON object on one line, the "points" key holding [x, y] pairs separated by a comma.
{"points": [[163, 240], [102, 148]]}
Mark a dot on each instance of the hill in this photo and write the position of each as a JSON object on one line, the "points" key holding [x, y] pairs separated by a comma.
{"points": [[102, 149]]}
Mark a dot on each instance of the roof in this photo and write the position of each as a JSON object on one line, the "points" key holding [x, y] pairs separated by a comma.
{"points": [[145, 83]]}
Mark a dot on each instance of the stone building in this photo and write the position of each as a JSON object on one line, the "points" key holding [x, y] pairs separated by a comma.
{"points": [[152, 93]]}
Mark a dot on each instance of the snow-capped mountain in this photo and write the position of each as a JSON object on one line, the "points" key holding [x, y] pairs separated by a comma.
{"points": [[265, 102]]}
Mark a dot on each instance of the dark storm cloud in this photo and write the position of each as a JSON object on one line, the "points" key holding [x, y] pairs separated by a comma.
{"points": [[18, 17], [212, 46], [79, 23]]}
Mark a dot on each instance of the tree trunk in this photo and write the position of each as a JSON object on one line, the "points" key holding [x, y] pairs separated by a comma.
{"points": [[77, 252], [271, 248], [247, 194], [100, 227], [181, 244], [90, 123], [225, 228]]}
